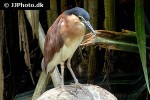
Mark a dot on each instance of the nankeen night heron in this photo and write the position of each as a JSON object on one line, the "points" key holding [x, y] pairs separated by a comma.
{"points": [[63, 38]]}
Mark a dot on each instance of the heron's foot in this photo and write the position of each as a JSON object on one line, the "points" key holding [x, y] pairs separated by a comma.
{"points": [[68, 89], [78, 85]]}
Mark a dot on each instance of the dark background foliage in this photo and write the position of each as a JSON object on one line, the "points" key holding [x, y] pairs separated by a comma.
{"points": [[125, 66]]}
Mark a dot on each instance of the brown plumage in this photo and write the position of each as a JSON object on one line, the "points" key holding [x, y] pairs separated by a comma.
{"points": [[55, 39], [63, 38]]}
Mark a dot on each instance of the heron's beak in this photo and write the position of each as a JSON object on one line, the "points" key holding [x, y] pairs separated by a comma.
{"points": [[89, 26]]}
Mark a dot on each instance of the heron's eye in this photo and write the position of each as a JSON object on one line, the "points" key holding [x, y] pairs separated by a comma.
{"points": [[81, 18]]}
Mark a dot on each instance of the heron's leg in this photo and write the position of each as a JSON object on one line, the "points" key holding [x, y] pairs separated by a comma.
{"points": [[62, 74], [71, 71], [77, 84]]}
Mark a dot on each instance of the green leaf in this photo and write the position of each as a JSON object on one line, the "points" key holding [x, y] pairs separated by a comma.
{"points": [[141, 37]]}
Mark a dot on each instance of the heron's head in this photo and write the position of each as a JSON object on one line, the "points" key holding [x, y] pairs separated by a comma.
{"points": [[83, 15]]}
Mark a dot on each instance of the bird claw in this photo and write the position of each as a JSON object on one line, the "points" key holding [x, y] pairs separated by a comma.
{"points": [[75, 89], [64, 89], [78, 85]]}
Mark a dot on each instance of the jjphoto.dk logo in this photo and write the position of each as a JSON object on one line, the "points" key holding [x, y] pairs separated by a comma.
{"points": [[23, 5]]}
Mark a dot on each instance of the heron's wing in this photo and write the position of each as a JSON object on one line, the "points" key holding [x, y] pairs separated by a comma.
{"points": [[53, 41]]}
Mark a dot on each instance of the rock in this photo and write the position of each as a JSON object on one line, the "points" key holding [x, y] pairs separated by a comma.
{"points": [[76, 92]]}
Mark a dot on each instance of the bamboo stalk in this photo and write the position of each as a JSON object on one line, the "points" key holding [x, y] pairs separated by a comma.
{"points": [[52, 13], [93, 11], [1, 54], [109, 24], [110, 15], [85, 5]]}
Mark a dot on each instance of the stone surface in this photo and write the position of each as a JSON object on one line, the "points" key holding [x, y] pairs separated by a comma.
{"points": [[75, 92]]}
